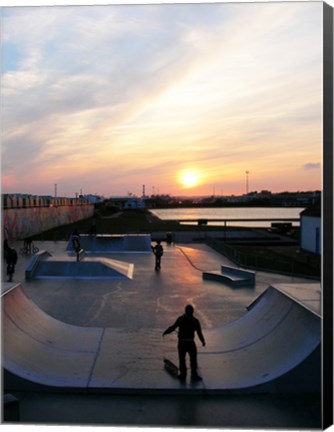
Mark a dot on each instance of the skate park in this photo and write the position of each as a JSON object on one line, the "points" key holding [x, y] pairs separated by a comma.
{"points": [[104, 336]]}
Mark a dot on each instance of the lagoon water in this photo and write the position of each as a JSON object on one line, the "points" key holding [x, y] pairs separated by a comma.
{"points": [[232, 213]]}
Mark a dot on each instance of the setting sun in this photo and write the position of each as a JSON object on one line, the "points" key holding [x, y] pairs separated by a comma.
{"points": [[189, 178]]}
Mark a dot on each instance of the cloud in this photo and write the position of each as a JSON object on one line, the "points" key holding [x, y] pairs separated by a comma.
{"points": [[312, 166], [135, 89]]}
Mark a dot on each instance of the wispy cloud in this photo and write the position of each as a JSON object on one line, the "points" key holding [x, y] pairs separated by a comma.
{"points": [[312, 166], [107, 96]]}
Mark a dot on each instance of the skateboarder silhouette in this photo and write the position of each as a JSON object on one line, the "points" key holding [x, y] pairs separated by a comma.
{"points": [[76, 243], [188, 325], [11, 259], [158, 251]]}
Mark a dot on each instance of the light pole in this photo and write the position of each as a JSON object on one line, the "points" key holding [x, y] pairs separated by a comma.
{"points": [[247, 173]]}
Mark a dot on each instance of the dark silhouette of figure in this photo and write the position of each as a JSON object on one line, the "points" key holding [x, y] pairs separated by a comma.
{"points": [[27, 245], [93, 227], [188, 325], [158, 251], [76, 243], [5, 248], [11, 260]]}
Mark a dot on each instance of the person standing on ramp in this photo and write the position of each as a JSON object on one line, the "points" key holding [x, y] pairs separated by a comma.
{"points": [[188, 325], [76, 243], [158, 251], [11, 259]]}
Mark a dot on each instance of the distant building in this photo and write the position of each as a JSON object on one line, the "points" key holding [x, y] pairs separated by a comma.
{"points": [[94, 199], [310, 228], [128, 202]]}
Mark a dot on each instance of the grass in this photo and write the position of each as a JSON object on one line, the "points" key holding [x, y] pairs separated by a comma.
{"points": [[115, 222]]}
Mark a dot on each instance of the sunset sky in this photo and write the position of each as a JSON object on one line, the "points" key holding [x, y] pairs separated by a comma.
{"points": [[183, 99]]}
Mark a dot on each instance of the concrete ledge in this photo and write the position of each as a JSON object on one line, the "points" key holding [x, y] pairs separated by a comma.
{"points": [[11, 408], [231, 275], [238, 273], [34, 262], [80, 255]]}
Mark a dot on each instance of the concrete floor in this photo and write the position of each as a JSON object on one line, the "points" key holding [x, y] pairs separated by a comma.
{"points": [[162, 295], [154, 302], [241, 412]]}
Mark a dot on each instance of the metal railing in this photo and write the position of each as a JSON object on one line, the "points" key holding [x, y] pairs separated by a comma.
{"points": [[269, 260]]}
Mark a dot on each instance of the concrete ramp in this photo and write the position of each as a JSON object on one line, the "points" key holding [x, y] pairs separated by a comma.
{"points": [[277, 343], [42, 350], [88, 268], [140, 243], [274, 347]]}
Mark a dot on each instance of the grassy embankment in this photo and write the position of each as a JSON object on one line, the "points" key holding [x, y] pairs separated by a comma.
{"points": [[123, 222]]}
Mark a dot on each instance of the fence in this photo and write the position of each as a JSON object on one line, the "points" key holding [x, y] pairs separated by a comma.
{"points": [[263, 258]]}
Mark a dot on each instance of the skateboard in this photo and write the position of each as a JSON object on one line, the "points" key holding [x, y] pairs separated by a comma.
{"points": [[171, 368]]}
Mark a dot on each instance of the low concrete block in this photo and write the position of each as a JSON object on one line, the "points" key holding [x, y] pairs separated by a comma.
{"points": [[238, 273], [232, 276]]}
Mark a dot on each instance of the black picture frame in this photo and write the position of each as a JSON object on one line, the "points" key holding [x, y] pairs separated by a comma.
{"points": [[327, 224]]}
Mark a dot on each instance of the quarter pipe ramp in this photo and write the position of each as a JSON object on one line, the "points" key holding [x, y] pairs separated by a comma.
{"points": [[274, 347]]}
